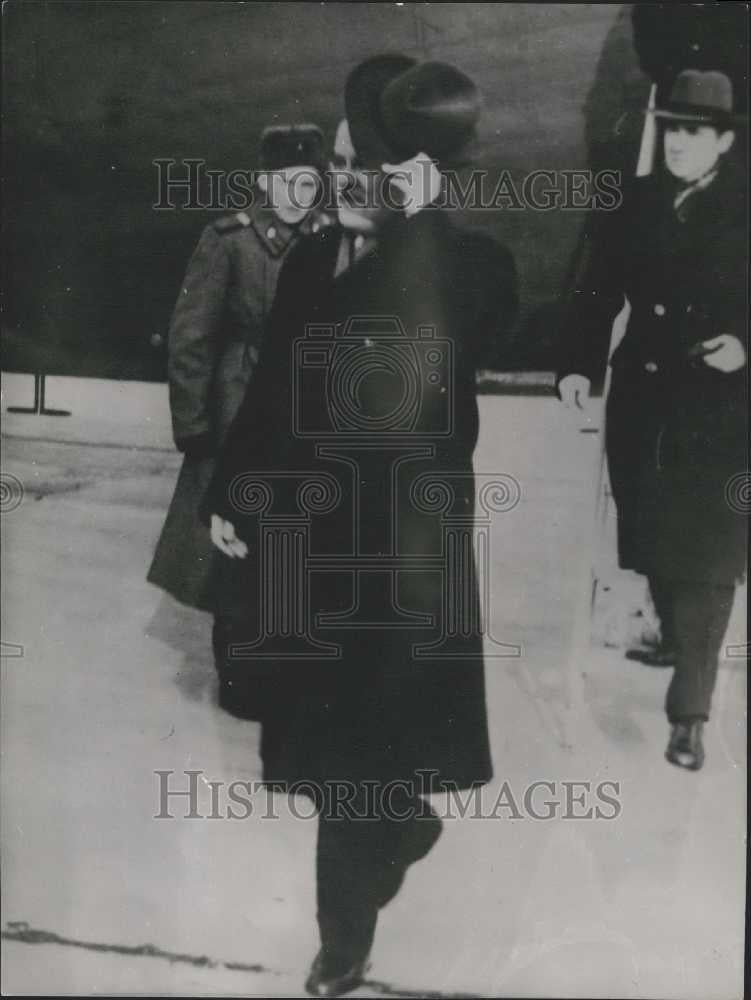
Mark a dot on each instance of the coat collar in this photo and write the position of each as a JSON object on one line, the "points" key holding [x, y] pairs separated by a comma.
{"points": [[276, 236]]}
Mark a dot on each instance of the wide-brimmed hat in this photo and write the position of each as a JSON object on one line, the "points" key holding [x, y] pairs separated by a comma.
{"points": [[291, 146], [397, 107], [702, 97]]}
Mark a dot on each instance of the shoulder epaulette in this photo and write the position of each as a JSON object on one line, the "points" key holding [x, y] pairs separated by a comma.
{"points": [[231, 222]]}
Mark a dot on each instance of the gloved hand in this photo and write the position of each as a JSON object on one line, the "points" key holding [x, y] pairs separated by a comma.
{"points": [[574, 391], [224, 537], [726, 353], [418, 180]]}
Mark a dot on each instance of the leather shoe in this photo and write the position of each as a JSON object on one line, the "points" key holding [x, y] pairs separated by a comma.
{"points": [[331, 978], [685, 748], [652, 656]]}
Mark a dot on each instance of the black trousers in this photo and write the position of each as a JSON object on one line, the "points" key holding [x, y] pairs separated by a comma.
{"points": [[245, 686], [367, 837], [360, 865], [694, 618]]}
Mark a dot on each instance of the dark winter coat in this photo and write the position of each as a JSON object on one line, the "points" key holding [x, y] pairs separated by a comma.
{"points": [[215, 335], [358, 441], [676, 428]]}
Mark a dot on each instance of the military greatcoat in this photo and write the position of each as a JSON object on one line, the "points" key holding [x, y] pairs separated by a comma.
{"points": [[215, 336]]}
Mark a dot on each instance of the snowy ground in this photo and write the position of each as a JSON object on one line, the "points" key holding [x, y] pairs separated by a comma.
{"points": [[106, 681]]}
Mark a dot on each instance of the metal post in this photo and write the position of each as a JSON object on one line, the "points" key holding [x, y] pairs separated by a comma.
{"points": [[39, 408]]}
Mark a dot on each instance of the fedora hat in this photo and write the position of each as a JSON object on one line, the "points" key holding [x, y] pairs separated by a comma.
{"points": [[703, 97], [397, 107], [291, 146]]}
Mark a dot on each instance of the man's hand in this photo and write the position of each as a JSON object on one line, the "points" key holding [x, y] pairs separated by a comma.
{"points": [[726, 353], [418, 180], [574, 391], [224, 537]]}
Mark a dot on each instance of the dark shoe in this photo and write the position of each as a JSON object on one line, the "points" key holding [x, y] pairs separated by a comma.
{"points": [[685, 748], [329, 977], [652, 656]]}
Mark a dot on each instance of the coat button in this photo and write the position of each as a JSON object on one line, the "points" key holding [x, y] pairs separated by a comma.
{"points": [[651, 367], [659, 309], [368, 342], [270, 233]]}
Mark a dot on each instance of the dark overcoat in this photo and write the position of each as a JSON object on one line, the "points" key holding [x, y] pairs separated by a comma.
{"points": [[357, 441], [677, 428], [214, 338]]}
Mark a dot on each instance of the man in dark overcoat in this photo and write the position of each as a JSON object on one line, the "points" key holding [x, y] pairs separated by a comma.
{"points": [[676, 416], [357, 442], [215, 336]]}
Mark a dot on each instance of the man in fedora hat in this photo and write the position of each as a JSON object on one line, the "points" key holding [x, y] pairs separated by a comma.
{"points": [[367, 391], [215, 336], [677, 411]]}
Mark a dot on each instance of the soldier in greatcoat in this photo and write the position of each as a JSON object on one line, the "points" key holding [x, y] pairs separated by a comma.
{"points": [[215, 338]]}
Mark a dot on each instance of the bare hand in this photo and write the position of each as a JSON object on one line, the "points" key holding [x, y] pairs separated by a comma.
{"points": [[418, 180], [224, 537], [726, 353], [574, 391]]}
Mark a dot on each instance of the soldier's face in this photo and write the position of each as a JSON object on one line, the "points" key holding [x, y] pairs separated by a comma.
{"points": [[693, 150], [292, 192], [359, 202]]}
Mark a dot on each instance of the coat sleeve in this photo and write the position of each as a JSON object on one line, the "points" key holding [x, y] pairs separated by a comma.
{"points": [[193, 343], [246, 445], [596, 298], [471, 272], [494, 278]]}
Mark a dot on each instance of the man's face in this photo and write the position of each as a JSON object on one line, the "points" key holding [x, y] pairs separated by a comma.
{"points": [[693, 150], [359, 203], [292, 192]]}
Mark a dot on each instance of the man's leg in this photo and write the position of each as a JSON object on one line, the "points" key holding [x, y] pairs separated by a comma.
{"points": [[347, 872], [410, 830], [701, 615], [360, 866], [662, 599], [663, 653]]}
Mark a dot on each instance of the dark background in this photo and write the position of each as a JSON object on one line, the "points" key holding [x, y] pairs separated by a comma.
{"points": [[94, 92]]}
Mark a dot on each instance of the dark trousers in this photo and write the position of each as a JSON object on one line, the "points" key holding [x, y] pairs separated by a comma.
{"points": [[360, 865], [246, 687], [694, 619], [366, 842]]}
